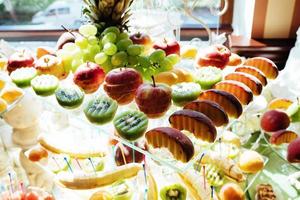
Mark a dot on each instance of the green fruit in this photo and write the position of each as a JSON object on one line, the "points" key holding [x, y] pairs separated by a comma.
{"points": [[109, 37], [185, 92], [92, 40], [110, 49], [22, 76], [119, 59], [123, 36], [101, 110], [173, 192], [101, 58], [57, 163], [173, 58], [124, 44], [121, 191], [131, 124], [157, 56], [133, 60], [165, 65], [69, 96], [44, 85], [214, 176], [111, 29], [293, 112], [92, 164], [208, 76], [107, 66], [134, 50]]}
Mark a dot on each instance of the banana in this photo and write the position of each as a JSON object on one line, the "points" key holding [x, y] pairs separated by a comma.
{"points": [[98, 179], [152, 192]]}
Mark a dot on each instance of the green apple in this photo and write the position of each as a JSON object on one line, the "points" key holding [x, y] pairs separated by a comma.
{"points": [[293, 112]]}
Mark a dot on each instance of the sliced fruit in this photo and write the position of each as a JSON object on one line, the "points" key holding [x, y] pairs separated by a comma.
{"points": [[251, 161], [283, 136], [234, 60], [2, 83], [183, 75], [11, 94], [211, 109], [101, 195], [22, 76], [231, 138], [121, 191], [231, 191], [41, 51], [44, 85], [101, 110], [189, 52], [69, 96], [37, 153], [274, 120], [266, 65], [214, 176], [93, 164], [254, 72], [293, 151], [168, 78], [57, 163], [206, 77], [173, 192], [131, 124], [293, 112], [238, 89], [185, 92], [280, 103], [195, 122], [227, 101], [251, 81], [3, 105], [177, 143]]}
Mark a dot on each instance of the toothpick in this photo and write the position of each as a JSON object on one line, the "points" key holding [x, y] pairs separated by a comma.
{"points": [[122, 152], [90, 159], [220, 142], [56, 162], [204, 178], [69, 166], [22, 187], [78, 163], [113, 152], [133, 153], [212, 192], [68, 31], [11, 182], [145, 176], [199, 161]]}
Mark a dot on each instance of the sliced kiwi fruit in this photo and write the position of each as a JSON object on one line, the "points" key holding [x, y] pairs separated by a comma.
{"points": [[173, 192], [93, 164], [70, 96], [121, 191], [131, 124], [183, 93], [44, 85], [101, 110], [213, 175], [57, 163], [206, 77], [22, 76]]}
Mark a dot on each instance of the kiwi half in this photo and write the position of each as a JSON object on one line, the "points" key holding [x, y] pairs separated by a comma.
{"points": [[173, 192], [69, 96], [22, 76], [44, 85]]}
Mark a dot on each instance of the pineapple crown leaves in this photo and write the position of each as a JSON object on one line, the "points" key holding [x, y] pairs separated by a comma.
{"points": [[105, 13]]}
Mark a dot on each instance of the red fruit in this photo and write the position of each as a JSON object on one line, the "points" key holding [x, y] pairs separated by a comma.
{"points": [[293, 151], [153, 99], [274, 120], [169, 47], [217, 56], [141, 38], [89, 77], [20, 59], [32, 196], [37, 154], [283, 136], [66, 38], [121, 84], [49, 197]]}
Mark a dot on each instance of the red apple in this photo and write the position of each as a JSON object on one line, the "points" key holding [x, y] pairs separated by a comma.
{"points": [[20, 59], [293, 151], [122, 83], [141, 38], [89, 77], [217, 56], [49, 64], [169, 46], [274, 120], [153, 99], [128, 153]]}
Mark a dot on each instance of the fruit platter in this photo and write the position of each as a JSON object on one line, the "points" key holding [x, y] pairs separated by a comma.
{"points": [[110, 114]]}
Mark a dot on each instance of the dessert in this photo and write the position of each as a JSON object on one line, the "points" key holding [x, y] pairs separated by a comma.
{"points": [[254, 72], [131, 124], [153, 99], [206, 77], [3, 105], [274, 120], [251, 81], [175, 141], [280, 103], [44, 85], [267, 66], [37, 153], [183, 93], [235, 60], [11, 94], [227, 101], [251, 162], [168, 46], [195, 122], [89, 77], [69, 96], [282, 136], [19, 59], [293, 151], [100, 110], [121, 84], [173, 192], [211, 109], [23, 76], [49, 64], [231, 191], [265, 192], [217, 56], [124, 154], [98, 179], [238, 89]]}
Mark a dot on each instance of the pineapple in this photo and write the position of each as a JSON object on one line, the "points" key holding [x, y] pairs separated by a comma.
{"points": [[106, 13]]}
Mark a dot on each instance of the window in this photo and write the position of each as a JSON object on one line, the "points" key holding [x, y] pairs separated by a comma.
{"points": [[63, 11], [50, 13]]}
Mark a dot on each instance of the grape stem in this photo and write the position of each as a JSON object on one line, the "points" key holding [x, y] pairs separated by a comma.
{"points": [[153, 81], [165, 41]]}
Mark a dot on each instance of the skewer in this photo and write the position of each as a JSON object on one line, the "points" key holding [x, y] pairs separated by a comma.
{"points": [[204, 179], [78, 163], [69, 166], [11, 182], [91, 161]]}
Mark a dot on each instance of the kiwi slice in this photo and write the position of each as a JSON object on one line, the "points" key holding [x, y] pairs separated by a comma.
{"points": [[101, 110], [44, 85], [206, 77], [92, 164], [121, 191], [22, 76], [131, 124], [173, 192], [69, 96], [183, 93], [57, 163], [213, 175]]}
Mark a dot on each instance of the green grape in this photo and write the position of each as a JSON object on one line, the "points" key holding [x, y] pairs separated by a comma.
{"points": [[94, 49], [111, 29], [133, 60], [110, 49], [75, 64], [87, 56], [157, 56], [173, 58], [107, 66], [165, 65], [81, 42], [124, 44], [77, 53], [100, 58], [69, 46], [119, 59], [88, 30], [144, 62], [123, 36], [93, 40], [135, 50], [109, 37]]}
